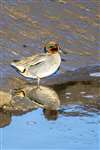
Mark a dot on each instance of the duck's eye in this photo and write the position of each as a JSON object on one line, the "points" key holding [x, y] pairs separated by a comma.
{"points": [[51, 46]]}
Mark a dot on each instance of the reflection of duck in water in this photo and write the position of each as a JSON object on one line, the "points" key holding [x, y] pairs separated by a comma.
{"points": [[50, 114], [40, 65], [44, 97]]}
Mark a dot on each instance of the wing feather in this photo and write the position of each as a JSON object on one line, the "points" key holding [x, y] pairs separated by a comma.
{"points": [[29, 61]]}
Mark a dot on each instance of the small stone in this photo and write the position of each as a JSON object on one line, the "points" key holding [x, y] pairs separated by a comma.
{"points": [[24, 45]]}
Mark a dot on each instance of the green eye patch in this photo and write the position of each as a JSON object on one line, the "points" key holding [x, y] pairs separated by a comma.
{"points": [[50, 46]]}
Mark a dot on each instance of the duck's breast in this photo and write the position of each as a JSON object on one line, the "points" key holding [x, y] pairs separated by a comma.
{"points": [[48, 67]]}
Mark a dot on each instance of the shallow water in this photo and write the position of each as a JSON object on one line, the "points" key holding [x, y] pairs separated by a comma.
{"points": [[25, 26], [33, 131]]}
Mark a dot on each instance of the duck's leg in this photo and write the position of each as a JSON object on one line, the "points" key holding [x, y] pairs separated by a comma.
{"points": [[38, 82]]}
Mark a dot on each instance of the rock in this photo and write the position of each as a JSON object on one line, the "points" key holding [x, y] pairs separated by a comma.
{"points": [[5, 98], [46, 97], [5, 118]]}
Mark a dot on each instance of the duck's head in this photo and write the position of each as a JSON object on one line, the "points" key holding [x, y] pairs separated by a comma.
{"points": [[52, 47]]}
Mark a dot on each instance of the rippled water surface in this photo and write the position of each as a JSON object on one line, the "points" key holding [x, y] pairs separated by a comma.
{"points": [[64, 114]]}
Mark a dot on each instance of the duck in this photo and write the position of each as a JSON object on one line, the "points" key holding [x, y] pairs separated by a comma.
{"points": [[40, 65]]}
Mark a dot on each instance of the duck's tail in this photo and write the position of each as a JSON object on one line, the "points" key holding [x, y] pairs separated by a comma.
{"points": [[18, 67]]}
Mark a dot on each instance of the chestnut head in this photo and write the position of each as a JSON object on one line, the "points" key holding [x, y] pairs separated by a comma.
{"points": [[51, 47]]}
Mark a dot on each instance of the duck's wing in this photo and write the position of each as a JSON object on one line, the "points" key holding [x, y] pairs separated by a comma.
{"points": [[29, 61], [37, 59]]}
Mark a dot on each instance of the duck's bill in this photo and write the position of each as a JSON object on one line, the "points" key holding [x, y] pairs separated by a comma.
{"points": [[61, 50]]}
